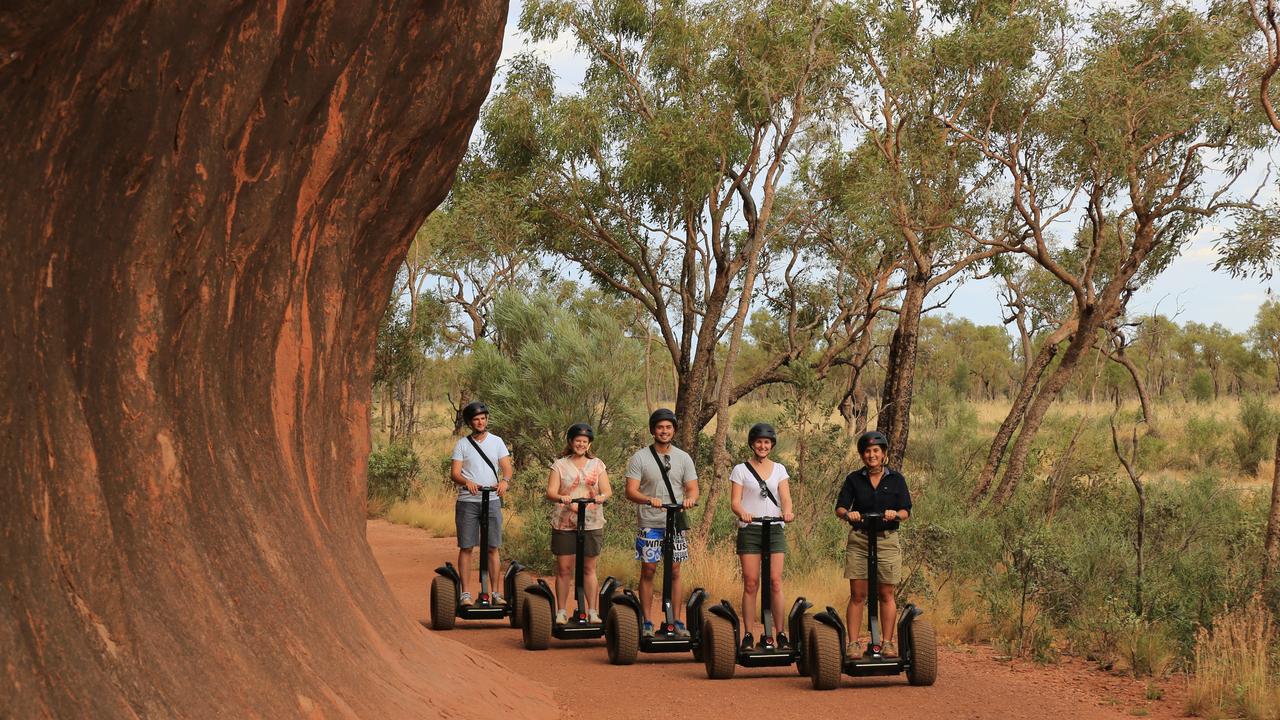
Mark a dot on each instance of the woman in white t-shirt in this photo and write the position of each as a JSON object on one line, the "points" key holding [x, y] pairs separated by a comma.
{"points": [[766, 493], [577, 474]]}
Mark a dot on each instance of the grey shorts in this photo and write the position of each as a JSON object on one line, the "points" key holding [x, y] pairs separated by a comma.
{"points": [[565, 542], [466, 517]]}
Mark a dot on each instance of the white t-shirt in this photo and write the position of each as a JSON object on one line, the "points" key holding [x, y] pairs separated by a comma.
{"points": [[752, 500], [474, 467]]}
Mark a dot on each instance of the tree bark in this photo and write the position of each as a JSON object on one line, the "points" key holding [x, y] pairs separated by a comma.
{"points": [[1271, 544], [203, 208], [894, 419], [1030, 381]]}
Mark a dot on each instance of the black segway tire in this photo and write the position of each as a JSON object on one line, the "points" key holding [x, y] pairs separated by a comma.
{"points": [[802, 660], [924, 653], [699, 651], [823, 647], [720, 656], [535, 625], [519, 597], [622, 635], [444, 603]]}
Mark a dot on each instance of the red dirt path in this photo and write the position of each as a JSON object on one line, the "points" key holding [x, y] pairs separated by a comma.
{"points": [[971, 682]]}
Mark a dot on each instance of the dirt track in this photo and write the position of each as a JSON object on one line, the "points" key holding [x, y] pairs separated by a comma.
{"points": [[971, 684]]}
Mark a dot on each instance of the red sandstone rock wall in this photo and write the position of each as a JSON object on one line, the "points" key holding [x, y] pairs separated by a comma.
{"points": [[202, 206]]}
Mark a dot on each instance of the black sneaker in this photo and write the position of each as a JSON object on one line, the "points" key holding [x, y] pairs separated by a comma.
{"points": [[782, 640], [748, 642]]}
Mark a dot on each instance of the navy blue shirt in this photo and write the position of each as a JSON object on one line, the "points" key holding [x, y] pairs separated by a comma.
{"points": [[857, 495]]}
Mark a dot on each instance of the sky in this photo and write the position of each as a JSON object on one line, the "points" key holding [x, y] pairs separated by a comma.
{"points": [[1188, 291]]}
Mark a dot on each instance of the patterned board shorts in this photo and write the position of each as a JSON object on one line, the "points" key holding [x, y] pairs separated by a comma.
{"points": [[649, 545]]}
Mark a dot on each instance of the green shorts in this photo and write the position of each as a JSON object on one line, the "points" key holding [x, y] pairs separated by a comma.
{"points": [[565, 542], [751, 540], [888, 556]]}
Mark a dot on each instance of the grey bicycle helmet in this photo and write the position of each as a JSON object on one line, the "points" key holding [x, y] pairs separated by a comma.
{"points": [[872, 437]]}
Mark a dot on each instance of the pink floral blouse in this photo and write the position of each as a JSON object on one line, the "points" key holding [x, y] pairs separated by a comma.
{"points": [[578, 484]]}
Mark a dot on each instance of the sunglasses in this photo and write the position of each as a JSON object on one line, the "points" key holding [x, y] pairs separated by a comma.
{"points": [[666, 462]]}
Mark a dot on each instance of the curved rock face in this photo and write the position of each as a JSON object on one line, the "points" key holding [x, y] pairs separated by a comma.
{"points": [[201, 213]]}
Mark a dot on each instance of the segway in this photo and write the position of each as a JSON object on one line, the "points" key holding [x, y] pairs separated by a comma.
{"points": [[722, 631], [446, 587], [918, 654], [537, 625], [623, 624]]}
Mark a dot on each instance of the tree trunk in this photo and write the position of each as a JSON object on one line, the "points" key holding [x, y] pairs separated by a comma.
{"points": [[1030, 381], [894, 419], [1123, 360], [203, 208], [1081, 341], [1271, 545]]}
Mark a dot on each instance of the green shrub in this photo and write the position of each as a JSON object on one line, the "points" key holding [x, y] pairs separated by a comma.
{"points": [[393, 471], [1202, 386], [1252, 442], [1203, 445]]}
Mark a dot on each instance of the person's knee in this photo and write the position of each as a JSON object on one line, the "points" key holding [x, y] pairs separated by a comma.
{"points": [[858, 594], [647, 571], [750, 585], [675, 571], [886, 593]]}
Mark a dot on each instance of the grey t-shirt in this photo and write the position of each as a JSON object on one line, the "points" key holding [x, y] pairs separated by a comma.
{"points": [[642, 467]]}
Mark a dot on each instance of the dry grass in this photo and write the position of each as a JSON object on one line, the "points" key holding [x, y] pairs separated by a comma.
{"points": [[1235, 675], [432, 510]]}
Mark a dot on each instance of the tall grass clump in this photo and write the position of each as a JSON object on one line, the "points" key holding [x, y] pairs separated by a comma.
{"points": [[1235, 666], [431, 510]]}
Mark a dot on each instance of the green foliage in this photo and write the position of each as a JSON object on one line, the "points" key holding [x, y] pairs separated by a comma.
{"points": [[1201, 386], [393, 472], [554, 363], [1204, 442], [1254, 441]]}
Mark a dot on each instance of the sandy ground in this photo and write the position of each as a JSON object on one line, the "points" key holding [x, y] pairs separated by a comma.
{"points": [[972, 683]]}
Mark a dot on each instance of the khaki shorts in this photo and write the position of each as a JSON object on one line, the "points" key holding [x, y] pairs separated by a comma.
{"points": [[565, 542], [888, 556]]}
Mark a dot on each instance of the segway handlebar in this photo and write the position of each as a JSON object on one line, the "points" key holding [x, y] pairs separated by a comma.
{"points": [[762, 518], [676, 506], [587, 501]]}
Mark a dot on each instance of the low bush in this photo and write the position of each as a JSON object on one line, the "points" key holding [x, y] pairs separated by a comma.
{"points": [[393, 473]]}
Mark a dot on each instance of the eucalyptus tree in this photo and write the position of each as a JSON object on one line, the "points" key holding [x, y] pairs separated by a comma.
{"points": [[914, 183], [1132, 122]]}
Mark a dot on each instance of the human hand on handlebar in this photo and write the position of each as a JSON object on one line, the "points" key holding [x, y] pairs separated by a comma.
{"points": [[502, 488], [745, 516], [689, 503], [655, 502], [472, 488], [788, 516], [890, 514], [855, 516]]}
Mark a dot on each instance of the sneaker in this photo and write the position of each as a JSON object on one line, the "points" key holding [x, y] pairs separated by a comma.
{"points": [[782, 640], [562, 617], [497, 599], [889, 649], [681, 630], [593, 616], [854, 649], [748, 642], [466, 598], [648, 629]]}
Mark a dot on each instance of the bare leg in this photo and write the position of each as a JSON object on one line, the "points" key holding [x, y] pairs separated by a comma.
{"points": [[564, 578], [590, 585], [495, 563], [775, 580], [853, 614], [464, 567], [888, 611], [750, 588], [647, 571]]}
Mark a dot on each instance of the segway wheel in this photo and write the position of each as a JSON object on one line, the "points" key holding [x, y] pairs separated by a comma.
{"points": [[823, 647], [699, 651], [924, 653], [522, 580], [802, 659], [622, 635], [535, 624], [721, 657], [444, 603]]}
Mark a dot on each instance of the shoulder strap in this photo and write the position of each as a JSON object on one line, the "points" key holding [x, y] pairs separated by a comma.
{"points": [[764, 487], [484, 457], [662, 469]]}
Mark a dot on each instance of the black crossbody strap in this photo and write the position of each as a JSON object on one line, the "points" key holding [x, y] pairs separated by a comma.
{"points": [[764, 487], [662, 469], [484, 457]]}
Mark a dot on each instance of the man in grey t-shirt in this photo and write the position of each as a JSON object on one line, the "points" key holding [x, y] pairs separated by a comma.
{"points": [[646, 488], [470, 471]]}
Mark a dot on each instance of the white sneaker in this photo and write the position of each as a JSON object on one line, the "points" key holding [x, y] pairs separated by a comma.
{"points": [[593, 616], [466, 598], [562, 617], [497, 599]]}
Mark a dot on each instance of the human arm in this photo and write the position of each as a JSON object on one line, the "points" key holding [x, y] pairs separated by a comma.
{"points": [[784, 498], [632, 491], [505, 471], [603, 490], [736, 502], [553, 487], [846, 502]]}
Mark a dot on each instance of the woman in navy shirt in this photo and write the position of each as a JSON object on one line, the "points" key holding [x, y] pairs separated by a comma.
{"points": [[874, 488]]}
